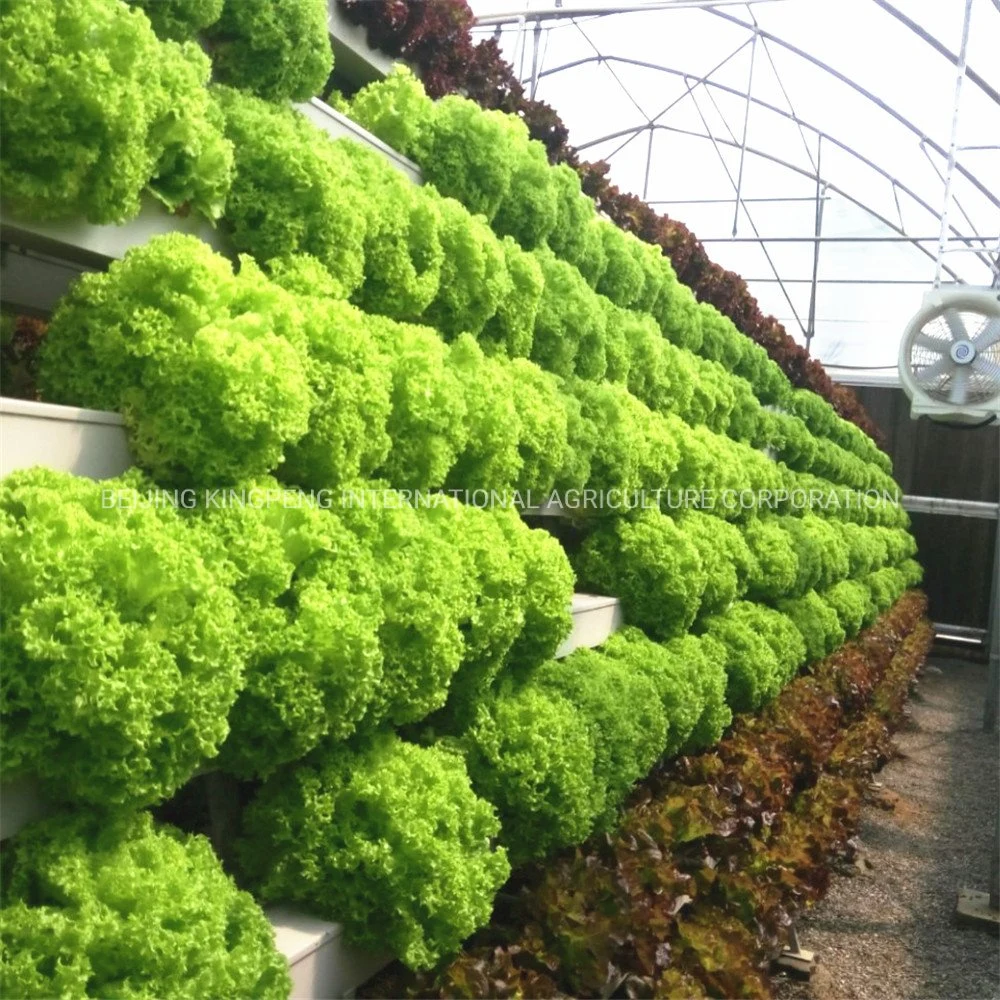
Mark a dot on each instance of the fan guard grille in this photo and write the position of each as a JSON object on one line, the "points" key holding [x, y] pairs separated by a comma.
{"points": [[943, 379]]}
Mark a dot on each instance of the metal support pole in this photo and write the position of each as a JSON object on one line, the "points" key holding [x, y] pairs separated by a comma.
{"points": [[899, 210], [941, 177], [739, 203], [649, 160], [818, 232], [746, 125], [951, 507], [993, 683], [974, 908], [953, 146], [534, 59], [519, 47], [995, 868], [990, 709]]}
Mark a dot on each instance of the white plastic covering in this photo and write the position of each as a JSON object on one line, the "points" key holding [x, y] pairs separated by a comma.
{"points": [[866, 291]]}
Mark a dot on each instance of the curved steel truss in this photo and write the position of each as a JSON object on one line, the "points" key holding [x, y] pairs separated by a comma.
{"points": [[959, 232]]}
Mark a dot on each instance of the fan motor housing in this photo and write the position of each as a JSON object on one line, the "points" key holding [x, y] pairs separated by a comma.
{"points": [[963, 352]]}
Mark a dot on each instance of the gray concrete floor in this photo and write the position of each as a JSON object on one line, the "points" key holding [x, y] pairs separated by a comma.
{"points": [[887, 930]]}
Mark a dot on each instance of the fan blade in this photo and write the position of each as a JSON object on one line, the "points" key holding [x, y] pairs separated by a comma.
{"points": [[943, 365], [958, 391], [954, 320], [989, 368], [988, 336], [930, 343]]}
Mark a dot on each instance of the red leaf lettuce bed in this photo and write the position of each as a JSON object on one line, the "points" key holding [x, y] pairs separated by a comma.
{"points": [[693, 894]]}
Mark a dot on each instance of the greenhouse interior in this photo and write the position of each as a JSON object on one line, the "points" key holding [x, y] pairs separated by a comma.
{"points": [[499, 499]]}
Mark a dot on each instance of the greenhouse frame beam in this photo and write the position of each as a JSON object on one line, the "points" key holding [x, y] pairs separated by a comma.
{"points": [[756, 30], [788, 100], [590, 10], [688, 92], [877, 101], [651, 122], [817, 242], [839, 143], [843, 281], [830, 186], [922, 33], [728, 201], [960, 76], [743, 142], [638, 107], [742, 146], [937, 170], [901, 238]]}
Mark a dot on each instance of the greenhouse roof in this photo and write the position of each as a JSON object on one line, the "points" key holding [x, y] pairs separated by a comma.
{"points": [[806, 144]]}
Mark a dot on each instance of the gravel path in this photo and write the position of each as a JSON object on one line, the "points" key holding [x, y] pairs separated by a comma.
{"points": [[886, 932]]}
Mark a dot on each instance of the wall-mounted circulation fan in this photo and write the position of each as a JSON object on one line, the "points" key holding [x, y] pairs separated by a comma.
{"points": [[949, 357]]}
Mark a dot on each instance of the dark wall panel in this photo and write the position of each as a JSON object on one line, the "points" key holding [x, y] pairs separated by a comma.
{"points": [[934, 460], [957, 556]]}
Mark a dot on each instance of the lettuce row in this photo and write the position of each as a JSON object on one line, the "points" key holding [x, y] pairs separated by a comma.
{"points": [[378, 614], [763, 651], [805, 451], [116, 905], [340, 629], [179, 20], [413, 255], [97, 110], [389, 837], [397, 255], [278, 49], [558, 752], [223, 377], [249, 633], [823, 421], [206, 366], [122, 643], [673, 572], [487, 161]]}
